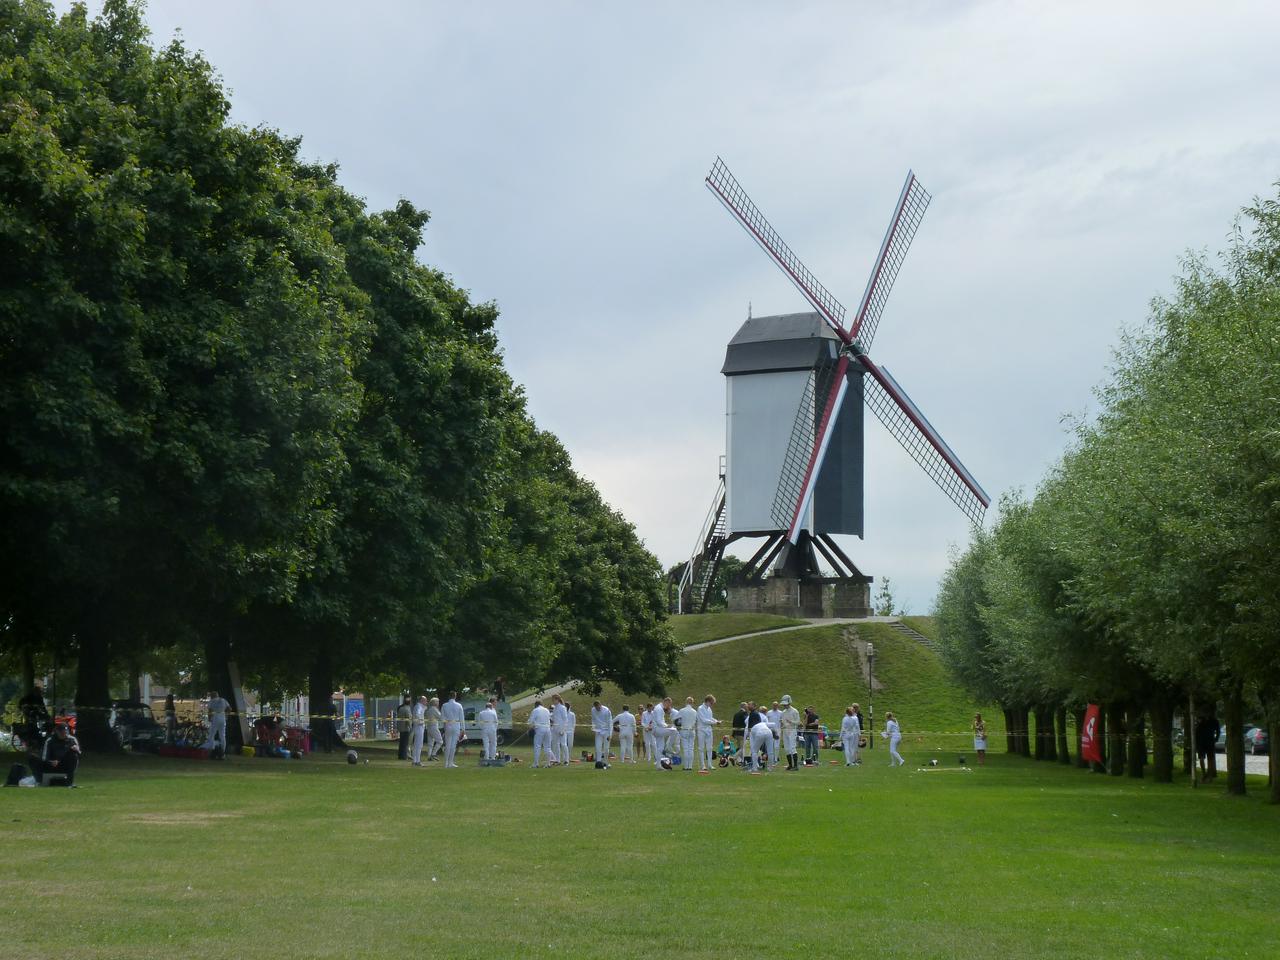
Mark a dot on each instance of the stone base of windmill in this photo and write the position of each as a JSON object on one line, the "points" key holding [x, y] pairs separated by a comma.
{"points": [[811, 598]]}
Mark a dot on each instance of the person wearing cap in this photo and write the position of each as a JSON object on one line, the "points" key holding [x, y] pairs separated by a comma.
{"points": [[849, 734], [773, 716], [663, 732], [706, 734], [790, 724], [404, 726], [419, 727], [61, 754], [559, 720], [454, 717], [434, 740], [540, 724], [602, 727], [217, 722], [761, 737], [626, 724], [893, 733], [488, 722]]}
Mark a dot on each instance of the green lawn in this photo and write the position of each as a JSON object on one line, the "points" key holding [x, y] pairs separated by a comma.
{"points": [[692, 628], [316, 859]]}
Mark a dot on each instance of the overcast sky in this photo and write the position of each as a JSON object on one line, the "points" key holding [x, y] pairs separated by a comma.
{"points": [[1074, 153]]}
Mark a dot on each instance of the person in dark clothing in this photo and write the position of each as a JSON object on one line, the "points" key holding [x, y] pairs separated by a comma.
{"points": [[739, 724], [811, 731], [1206, 736], [170, 719], [61, 754], [35, 717], [499, 693], [404, 724]]}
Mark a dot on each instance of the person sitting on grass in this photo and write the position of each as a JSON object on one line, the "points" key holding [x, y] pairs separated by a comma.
{"points": [[61, 755], [727, 752]]}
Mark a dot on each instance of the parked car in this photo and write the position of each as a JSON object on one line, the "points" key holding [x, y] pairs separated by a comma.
{"points": [[1257, 741], [135, 725], [1220, 745]]}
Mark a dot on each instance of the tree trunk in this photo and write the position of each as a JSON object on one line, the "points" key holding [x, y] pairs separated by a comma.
{"points": [[1103, 739], [1038, 747], [135, 680], [1023, 718], [1188, 740], [1235, 740], [28, 670], [1136, 749], [1046, 745], [1162, 740], [324, 732], [217, 654], [1115, 739], [93, 693], [1010, 732], [1060, 719]]}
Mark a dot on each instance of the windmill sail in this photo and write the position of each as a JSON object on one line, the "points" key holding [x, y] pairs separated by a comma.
{"points": [[913, 201], [902, 418]]}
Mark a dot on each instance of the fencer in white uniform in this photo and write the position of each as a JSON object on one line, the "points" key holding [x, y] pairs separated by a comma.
{"points": [[773, 717], [790, 731], [434, 740], [646, 732], [626, 735], [453, 717], [893, 734], [688, 715], [570, 731], [760, 734], [706, 734], [602, 727], [663, 732], [849, 733], [540, 724], [559, 719], [488, 721], [418, 728]]}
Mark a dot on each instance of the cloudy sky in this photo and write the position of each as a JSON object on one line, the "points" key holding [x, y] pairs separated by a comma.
{"points": [[1074, 153]]}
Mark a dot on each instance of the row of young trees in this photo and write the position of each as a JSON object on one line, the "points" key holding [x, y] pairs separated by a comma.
{"points": [[242, 422], [1145, 572]]}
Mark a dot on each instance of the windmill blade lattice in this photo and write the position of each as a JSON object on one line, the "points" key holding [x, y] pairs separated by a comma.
{"points": [[913, 201], [903, 419], [805, 448], [723, 184]]}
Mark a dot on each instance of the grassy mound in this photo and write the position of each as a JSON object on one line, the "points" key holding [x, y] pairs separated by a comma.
{"points": [[700, 627]]}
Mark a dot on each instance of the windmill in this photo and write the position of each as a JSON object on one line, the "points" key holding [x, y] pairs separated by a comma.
{"points": [[796, 480]]}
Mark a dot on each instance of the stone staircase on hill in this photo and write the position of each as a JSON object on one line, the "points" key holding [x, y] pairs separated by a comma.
{"points": [[899, 627]]}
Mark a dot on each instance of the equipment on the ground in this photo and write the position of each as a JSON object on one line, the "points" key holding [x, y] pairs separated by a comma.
{"points": [[353, 757], [796, 479]]}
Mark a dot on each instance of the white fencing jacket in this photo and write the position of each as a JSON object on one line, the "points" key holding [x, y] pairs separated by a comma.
{"points": [[540, 718], [488, 720], [602, 721], [626, 724], [706, 719], [688, 719]]}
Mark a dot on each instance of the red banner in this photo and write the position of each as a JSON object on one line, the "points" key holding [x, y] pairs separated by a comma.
{"points": [[1090, 744]]}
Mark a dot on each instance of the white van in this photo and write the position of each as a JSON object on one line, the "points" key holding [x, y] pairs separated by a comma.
{"points": [[472, 729]]}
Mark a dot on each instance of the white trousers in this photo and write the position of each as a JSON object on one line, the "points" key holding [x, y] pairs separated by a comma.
{"points": [[451, 730], [760, 740], [602, 745], [649, 743], [542, 745], [893, 749], [686, 748], [850, 749], [773, 751], [489, 740], [434, 740], [415, 745], [662, 737], [706, 748], [626, 745], [217, 732], [566, 744], [788, 742]]}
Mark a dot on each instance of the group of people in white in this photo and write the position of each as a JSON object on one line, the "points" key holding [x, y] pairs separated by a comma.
{"points": [[443, 727], [688, 734]]}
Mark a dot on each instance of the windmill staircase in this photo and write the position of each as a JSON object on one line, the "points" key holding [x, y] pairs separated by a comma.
{"points": [[694, 589]]}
